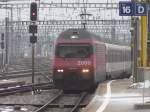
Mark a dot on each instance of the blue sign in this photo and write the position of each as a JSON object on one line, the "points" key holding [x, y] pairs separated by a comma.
{"points": [[126, 8], [140, 9], [132, 9]]}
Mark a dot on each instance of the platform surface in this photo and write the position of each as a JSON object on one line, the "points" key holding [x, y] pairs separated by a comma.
{"points": [[118, 96]]}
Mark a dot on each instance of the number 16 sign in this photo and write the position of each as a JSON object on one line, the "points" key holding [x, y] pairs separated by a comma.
{"points": [[126, 8]]}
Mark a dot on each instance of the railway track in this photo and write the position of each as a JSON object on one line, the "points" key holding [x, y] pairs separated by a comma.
{"points": [[16, 72], [58, 101], [25, 88], [54, 103], [44, 107], [37, 66], [22, 73], [26, 64], [23, 68]]}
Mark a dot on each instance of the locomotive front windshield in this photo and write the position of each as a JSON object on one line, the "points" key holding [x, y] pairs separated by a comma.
{"points": [[73, 50]]}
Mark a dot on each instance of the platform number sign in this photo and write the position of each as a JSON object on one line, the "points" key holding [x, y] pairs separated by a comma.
{"points": [[126, 8], [140, 9], [132, 8]]}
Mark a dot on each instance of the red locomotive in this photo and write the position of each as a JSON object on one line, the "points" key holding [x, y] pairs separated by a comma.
{"points": [[81, 60]]}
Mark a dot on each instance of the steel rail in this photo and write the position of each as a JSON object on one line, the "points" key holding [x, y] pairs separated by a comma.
{"points": [[17, 72], [41, 109], [18, 75], [20, 88], [52, 105], [76, 107]]}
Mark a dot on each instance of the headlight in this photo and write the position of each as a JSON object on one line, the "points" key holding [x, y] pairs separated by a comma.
{"points": [[60, 70], [85, 70]]}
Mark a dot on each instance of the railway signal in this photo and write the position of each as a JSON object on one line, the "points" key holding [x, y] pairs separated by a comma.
{"points": [[2, 36], [2, 41], [33, 39], [33, 28], [33, 11], [2, 47]]}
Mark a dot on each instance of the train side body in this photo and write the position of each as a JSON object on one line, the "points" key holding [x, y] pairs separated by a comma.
{"points": [[100, 61], [118, 63]]}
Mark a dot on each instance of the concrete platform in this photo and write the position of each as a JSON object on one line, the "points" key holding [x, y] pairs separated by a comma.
{"points": [[119, 96], [142, 106]]}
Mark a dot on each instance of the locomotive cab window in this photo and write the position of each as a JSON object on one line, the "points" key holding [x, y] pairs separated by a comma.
{"points": [[73, 50]]}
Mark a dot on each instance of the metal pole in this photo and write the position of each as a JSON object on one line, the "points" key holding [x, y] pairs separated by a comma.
{"points": [[6, 41], [11, 39], [33, 49], [2, 47], [136, 45], [2, 60], [144, 41], [144, 47], [148, 38], [132, 48]]}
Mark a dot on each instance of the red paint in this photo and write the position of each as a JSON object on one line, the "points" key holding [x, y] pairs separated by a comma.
{"points": [[96, 60]]}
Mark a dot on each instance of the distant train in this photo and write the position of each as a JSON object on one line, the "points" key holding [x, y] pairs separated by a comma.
{"points": [[81, 60]]}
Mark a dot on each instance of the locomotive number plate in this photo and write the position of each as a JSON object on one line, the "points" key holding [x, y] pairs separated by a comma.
{"points": [[84, 62]]}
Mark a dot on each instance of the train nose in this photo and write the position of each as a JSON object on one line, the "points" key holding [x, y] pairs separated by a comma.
{"points": [[74, 78]]}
